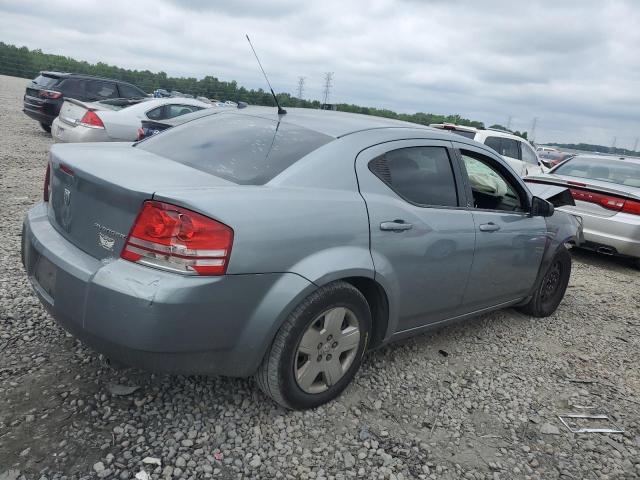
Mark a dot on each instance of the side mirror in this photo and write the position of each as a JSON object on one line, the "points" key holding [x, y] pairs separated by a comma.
{"points": [[541, 208]]}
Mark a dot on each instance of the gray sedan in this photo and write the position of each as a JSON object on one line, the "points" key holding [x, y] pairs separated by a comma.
{"points": [[607, 197], [285, 247]]}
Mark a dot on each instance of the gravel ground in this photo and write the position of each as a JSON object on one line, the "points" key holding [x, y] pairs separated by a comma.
{"points": [[476, 400]]}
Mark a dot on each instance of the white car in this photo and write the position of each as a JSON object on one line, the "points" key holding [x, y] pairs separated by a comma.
{"points": [[115, 120], [515, 150]]}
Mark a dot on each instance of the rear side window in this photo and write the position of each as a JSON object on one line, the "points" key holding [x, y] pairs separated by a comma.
{"points": [[129, 91], [504, 146], [240, 148], [420, 175], [156, 113], [97, 90], [528, 155], [45, 81], [74, 88], [172, 111]]}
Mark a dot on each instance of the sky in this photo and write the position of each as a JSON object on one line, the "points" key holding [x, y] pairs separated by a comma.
{"points": [[574, 65]]}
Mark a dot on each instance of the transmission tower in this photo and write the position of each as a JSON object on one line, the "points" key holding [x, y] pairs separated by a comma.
{"points": [[300, 87], [509, 123], [613, 145], [532, 136], [635, 144], [328, 83]]}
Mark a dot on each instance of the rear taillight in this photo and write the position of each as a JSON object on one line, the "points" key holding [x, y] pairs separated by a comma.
{"points": [[47, 179], [179, 240], [140, 133], [609, 202], [91, 119], [49, 94], [631, 206]]}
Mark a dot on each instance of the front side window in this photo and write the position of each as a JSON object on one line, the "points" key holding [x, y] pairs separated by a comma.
{"points": [[420, 175], [491, 190], [528, 155]]}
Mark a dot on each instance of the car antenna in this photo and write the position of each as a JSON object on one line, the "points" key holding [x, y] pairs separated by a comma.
{"points": [[281, 111]]}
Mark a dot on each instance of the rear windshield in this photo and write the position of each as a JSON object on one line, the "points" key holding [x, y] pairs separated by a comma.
{"points": [[613, 171], [464, 133], [45, 81], [239, 148]]}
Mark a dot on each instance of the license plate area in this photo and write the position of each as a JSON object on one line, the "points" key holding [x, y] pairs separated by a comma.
{"points": [[44, 274]]}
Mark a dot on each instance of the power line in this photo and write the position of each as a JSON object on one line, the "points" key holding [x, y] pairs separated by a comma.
{"points": [[328, 83], [300, 87]]}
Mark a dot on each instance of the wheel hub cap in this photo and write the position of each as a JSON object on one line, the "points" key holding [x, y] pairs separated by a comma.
{"points": [[327, 350]]}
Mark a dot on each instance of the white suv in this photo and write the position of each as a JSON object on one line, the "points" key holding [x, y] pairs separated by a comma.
{"points": [[515, 150]]}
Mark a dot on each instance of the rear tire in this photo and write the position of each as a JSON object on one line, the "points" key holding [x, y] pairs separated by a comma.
{"points": [[551, 290], [45, 127], [319, 348]]}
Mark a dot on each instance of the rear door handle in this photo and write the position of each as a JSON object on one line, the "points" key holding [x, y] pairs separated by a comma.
{"points": [[396, 226], [489, 227]]}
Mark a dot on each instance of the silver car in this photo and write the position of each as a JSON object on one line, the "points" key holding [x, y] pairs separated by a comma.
{"points": [[284, 247], [606, 191], [115, 120]]}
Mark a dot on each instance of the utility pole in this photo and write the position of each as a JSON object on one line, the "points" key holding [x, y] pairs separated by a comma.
{"points": [[300, 87], [532, 136], [509, 123], [328, 83]]}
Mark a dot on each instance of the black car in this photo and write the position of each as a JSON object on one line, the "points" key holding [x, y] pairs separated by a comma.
{"points": [[46, 93]]}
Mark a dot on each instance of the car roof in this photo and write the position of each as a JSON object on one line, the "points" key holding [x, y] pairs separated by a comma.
{"points": [[328, 122], [83, 75]]}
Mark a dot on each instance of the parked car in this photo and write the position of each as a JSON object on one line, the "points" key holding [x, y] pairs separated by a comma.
{"points": [[606, 191], [285, 246], [153, 127], [552, 158], [106, 122], [518, 152], [47, 92]]}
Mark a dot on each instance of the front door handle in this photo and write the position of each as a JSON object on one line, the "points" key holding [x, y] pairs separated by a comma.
{"points": [[396, 226], [489, 227]]}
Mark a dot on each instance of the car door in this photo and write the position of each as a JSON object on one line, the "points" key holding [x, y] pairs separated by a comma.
{"points": [[422, 236], [509, 241], [508, 148]]}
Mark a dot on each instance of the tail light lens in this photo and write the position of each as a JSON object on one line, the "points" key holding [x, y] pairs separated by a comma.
{"points": [[47, 179], [49, 94], [91, 119], [178, 240], [140, 133], [609, 202]]}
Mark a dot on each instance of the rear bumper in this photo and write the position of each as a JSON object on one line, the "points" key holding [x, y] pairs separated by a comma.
{"points": [[63, 132], [40, 110], [156, 320], [620, 232]]}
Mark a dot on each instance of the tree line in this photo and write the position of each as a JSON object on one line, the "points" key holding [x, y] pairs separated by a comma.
{"points": [[23, 62]]}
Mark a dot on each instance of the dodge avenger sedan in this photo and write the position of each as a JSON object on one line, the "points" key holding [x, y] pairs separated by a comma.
{"points": [[286, 246]]}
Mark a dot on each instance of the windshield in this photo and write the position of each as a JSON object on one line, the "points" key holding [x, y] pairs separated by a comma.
{"points": [[241, 148], [602, 169]]}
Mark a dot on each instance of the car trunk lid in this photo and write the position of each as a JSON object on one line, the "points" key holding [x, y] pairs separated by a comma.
{"points": [[592, 197], [96, 191]]}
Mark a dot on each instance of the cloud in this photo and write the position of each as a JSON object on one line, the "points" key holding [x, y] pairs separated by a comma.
{"points": [[571, 64]]}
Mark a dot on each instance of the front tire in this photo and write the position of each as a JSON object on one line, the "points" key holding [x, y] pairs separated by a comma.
{"points": [[45, 127], [319, 348], [551, 290]]}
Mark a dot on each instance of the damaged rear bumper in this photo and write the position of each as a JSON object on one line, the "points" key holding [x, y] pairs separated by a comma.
{"points": [[156, 320]]}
